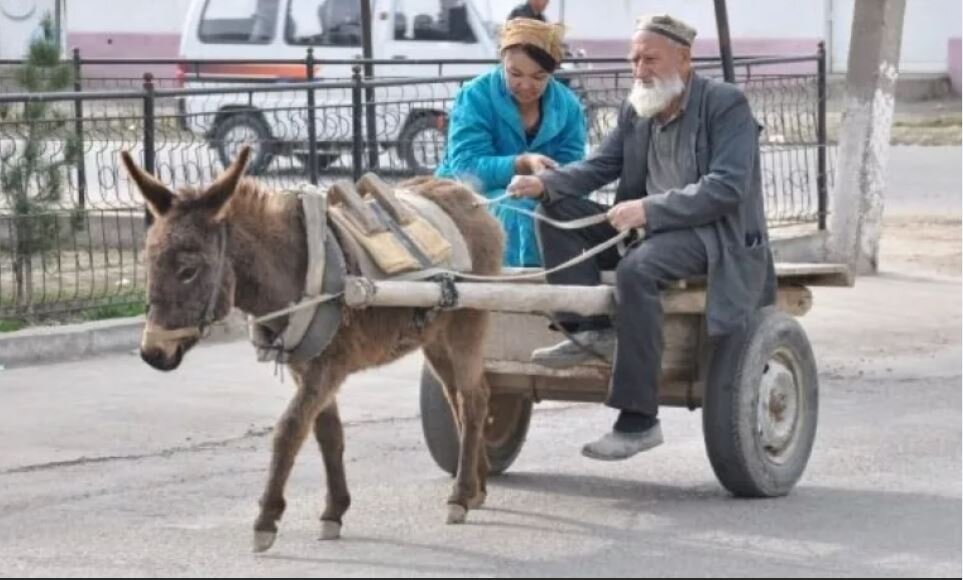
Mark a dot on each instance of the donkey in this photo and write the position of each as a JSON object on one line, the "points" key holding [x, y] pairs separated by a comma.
{"points": [[236, 244]]}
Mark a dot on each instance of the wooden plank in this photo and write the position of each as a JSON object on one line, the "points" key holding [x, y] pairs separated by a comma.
{"points": [[584, 300], [796, 300], [608, 277], [514, 336], [803, 273], [528, 298], [814, 274], [582, 384]]}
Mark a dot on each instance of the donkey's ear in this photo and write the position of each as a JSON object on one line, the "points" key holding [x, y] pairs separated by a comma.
{"points": [[159, 198], [219, 193]]}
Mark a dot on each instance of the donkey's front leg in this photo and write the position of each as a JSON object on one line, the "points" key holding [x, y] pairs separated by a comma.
{"points": [[330, 435], [289, 435]]}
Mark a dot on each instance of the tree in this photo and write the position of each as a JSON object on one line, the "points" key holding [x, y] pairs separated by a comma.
{"points": [[33, 171]]}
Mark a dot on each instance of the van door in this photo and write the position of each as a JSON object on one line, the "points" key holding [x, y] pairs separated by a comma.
{"points": [[233, 29], [331, 27]]}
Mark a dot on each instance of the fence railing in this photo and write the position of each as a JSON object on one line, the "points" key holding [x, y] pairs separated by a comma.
{"points": [[81, 248], [121, 73]]}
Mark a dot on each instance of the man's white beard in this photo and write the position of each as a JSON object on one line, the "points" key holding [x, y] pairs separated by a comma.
{"points": [[651, 100]]}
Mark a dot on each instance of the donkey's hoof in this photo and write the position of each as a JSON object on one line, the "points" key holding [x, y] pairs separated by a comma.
{"points": [[263, 541], [330, 530], [477, 501], [456, 514]]}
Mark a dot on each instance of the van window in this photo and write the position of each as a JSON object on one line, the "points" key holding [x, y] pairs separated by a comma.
{"points": [[239, 21], [323, 23], [433, 20]]}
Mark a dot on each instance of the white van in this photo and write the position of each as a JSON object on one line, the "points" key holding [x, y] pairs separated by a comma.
{"points": [[275, 123]]}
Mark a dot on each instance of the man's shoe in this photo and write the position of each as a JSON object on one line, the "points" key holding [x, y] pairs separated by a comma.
{"points": [[616, 445], [569, 353]]}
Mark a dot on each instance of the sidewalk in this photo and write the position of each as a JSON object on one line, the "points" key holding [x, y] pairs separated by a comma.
{"points": [[54, 344], [927, 112]]}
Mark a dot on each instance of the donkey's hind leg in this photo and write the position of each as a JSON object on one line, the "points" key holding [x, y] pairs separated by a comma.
{"points": [[437, 355], [462, 346], [441, 362], [330, 435]]}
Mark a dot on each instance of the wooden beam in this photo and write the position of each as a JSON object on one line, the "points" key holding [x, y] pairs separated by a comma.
{"points": [[795, 273], [535, 298], [590, 385]]}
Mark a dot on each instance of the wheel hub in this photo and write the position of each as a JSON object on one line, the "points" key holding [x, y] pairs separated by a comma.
{"points": [[779, 402]]}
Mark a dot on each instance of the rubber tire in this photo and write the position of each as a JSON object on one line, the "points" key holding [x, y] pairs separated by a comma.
{"points": [[734, 445], [441, 435], [406, 148], [263, 153]]}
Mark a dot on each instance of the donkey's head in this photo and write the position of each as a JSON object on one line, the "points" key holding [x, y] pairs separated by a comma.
{"points": [[190, 280]]}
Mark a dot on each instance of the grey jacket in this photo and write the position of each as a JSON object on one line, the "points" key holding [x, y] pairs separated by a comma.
{"points": [[723, 201]]}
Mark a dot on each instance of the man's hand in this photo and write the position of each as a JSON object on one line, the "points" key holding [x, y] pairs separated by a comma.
{"points": [[627, 215], [526, 186], [532, 163]]}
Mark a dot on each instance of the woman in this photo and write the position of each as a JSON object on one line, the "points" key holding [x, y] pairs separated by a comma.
{"points": [[516, 119]]}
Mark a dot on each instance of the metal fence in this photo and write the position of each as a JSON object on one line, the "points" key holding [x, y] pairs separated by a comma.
{"points": [[128, 73], [71, 222]]}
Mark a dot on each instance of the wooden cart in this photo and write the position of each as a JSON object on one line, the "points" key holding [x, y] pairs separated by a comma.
{"points": [[758, 389]]}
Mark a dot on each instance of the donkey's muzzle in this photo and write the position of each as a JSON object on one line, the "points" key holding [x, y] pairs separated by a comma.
{"points": [[164, 349], [161, 359]]}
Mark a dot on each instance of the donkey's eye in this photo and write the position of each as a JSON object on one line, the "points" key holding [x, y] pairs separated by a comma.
{"points": [[187, 274]]}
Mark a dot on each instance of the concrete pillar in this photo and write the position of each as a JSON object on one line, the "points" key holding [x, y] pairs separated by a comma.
{"points": [[857, 204]]}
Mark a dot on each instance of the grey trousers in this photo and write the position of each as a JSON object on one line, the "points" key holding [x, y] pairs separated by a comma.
{"points": [[640, 277]]}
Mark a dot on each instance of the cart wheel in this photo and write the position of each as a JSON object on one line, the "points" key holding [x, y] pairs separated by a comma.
{"points": [[505, 428], [761, 406]]}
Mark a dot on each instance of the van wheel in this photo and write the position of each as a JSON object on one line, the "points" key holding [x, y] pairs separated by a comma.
{"points": [[237, 130], [421, 144]]}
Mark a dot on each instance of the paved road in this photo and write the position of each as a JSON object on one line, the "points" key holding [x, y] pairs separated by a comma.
{"points": [[108, 467]]}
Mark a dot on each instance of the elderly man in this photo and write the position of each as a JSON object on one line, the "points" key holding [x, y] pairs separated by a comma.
{"points": [[686, 154]]}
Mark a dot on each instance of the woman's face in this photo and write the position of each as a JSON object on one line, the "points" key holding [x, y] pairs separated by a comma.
{"points": [[526, 79]]}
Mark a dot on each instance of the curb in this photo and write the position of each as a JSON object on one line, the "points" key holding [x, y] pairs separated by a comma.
{"points": [[54, 344]]}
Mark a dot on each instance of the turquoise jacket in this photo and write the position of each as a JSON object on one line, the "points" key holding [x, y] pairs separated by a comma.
{"points": [[485, 134]]}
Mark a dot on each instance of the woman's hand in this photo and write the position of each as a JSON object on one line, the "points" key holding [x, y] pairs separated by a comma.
{"points": [[533, 163], [526, 186]]}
